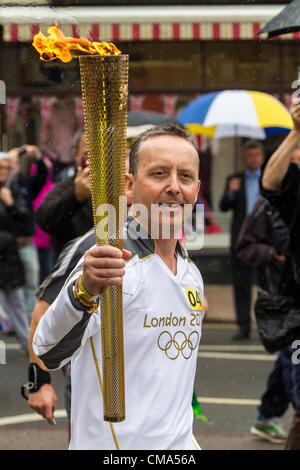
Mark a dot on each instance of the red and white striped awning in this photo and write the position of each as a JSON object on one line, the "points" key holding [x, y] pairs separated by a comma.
{"points": [[140, 32], [140, 23]]}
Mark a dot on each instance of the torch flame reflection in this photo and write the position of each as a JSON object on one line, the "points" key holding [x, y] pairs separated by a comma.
{"points": [[58, 46]]}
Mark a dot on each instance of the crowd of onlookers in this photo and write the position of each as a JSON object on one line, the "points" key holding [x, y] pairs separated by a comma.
{"points": [[34, 227]]}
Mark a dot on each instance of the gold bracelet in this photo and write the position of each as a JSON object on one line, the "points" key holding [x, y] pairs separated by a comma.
{"points": [[84, 297], [83, 292]]}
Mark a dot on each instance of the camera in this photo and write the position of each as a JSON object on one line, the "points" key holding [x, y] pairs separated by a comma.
{"points": [[22, 151]]}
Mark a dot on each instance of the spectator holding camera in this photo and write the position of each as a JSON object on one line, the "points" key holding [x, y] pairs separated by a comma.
{"points": [[66, 211], [29, 185], [263, 243], [281, 186]]}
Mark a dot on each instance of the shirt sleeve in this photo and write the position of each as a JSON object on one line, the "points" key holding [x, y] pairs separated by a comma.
{"points": [[37, 181], [228, 199], [53, 283], [62, 329], [69, 258], [18, 210], [253, 246], [58, 208], [284, 199]]}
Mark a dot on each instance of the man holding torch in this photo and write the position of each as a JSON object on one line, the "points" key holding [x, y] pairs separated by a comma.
{"points": [[162, 309]]}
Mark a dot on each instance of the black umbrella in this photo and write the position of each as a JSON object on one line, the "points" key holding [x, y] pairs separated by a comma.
{"points": [[141, 118], [287, 21]]}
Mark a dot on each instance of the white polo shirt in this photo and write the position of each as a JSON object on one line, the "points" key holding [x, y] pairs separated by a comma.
{"points": [[162, 316]]}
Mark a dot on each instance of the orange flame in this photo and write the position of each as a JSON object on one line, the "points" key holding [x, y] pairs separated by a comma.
{"points": [[58, 46]]}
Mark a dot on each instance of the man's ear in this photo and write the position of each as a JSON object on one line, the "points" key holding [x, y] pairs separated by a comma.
{"points": [[198, 189], [129, 185]]}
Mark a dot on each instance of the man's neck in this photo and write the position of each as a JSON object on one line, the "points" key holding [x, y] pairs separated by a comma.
{"points": [[166, 250]]}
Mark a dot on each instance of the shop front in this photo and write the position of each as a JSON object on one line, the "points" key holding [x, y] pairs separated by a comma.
{"points": [[176, 53]]}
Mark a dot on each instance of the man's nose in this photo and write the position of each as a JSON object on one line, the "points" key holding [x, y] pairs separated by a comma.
{"points": [[173, 184]]}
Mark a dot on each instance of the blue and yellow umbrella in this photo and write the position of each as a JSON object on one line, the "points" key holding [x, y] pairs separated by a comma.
{"points": [[236, 113]]}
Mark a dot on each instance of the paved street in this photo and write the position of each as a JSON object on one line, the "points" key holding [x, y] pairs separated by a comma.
{"points": [[230, 379], [229, 382]]}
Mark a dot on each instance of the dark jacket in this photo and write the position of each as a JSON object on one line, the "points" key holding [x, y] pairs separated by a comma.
{"points": [[12, 271], [238, 205], [30, 186], [62, 216], [287, 200], [254, 245]]}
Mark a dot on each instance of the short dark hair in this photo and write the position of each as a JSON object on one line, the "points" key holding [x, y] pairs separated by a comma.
{"points": [[171, 129], [253, 144]]}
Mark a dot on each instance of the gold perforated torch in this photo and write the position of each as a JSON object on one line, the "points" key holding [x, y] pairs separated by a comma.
{"points": [[104, 81]]}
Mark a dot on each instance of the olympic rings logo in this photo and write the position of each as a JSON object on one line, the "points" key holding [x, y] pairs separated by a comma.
{"points": [[178, 344]]}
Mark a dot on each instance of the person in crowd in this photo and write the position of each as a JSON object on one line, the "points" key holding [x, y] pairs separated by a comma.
{"points": [[30, 185], [12, 209], [263, 243], [164, 170], [42, 239], [71, 169], [42, 397], [66, 211], [240, 194], [280, 185], [5, 324], [56, 137]]}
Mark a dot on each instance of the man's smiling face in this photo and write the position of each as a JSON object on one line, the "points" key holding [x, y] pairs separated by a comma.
{"points": [[167, 176]]}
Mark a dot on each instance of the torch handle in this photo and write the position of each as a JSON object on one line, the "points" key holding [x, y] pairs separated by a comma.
{"points": [[112, 354]]}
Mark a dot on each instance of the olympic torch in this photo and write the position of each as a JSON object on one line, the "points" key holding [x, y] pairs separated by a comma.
{"points": [[104, 81]]}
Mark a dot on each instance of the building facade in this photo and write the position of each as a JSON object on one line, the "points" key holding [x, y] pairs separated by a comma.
{"points": [[178, 50]]}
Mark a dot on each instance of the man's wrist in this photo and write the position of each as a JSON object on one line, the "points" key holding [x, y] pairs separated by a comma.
{"points": [[296, 133], [38, 154], [89, 302], [37, 377], [78, 195]]}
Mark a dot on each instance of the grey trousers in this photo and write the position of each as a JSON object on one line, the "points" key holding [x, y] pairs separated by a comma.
{"points": [[30, 259], [15, 308]]}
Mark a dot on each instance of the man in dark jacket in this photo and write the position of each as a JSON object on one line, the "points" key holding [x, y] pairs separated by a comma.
{"points": [[240, 194], [280, 185], [12, 209], [66, 211], [263, 243]]}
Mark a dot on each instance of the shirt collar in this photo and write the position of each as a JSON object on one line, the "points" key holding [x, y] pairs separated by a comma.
{"points": [[142, 240], [256, 173]]}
